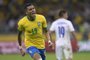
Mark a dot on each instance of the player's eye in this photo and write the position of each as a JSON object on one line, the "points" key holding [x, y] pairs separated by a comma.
{"points": [[30, 9], [33, 8]]}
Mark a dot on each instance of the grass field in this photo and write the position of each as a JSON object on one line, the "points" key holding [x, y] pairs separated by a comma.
{"points": [[50, 56]]}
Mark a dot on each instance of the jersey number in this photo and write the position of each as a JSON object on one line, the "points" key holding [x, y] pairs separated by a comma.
{"points": [[34, 31], [61, 31]]}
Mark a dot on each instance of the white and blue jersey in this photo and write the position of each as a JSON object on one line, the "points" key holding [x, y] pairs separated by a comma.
{"points": [[62, 28]]}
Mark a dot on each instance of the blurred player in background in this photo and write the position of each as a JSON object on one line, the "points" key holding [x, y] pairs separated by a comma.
{"points": [[63, 28], [33, 25]]}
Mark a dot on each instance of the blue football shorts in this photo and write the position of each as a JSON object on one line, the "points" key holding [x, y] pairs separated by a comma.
{"points": [[32, 50]]}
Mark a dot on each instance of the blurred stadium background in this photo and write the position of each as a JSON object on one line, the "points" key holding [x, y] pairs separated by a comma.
{"points": [[12, 10]]}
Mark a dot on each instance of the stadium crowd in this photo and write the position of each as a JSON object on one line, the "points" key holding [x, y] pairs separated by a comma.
{"points": [[12, 10]]}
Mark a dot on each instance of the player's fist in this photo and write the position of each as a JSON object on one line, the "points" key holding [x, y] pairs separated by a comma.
{"points": [[51, 45], [22, 51]]}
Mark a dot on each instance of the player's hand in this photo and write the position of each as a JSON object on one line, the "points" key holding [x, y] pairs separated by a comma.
{"points": [[51, 45], [77, 48], [22, 51]]}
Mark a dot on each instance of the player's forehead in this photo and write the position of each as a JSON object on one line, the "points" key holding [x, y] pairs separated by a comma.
{"points": [[30, 7]]}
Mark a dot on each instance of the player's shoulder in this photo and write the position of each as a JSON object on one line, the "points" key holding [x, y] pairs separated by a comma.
{"points": [[67, 21], [40, 15], [22, 20], [55, 22]]}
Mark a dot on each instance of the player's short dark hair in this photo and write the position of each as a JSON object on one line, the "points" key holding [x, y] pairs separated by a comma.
{"points": [[61, 12], [27, 4]]}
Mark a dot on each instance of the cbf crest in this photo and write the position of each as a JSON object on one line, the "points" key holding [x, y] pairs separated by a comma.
{"points": [[39, 24]]}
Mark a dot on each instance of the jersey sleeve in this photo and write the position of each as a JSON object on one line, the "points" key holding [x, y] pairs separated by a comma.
{"points": [[71, 28], [44, 25], [52, 28], [20, 25]]}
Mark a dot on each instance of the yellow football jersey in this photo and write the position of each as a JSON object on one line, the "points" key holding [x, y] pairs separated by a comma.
{"points": [[33, 31]]}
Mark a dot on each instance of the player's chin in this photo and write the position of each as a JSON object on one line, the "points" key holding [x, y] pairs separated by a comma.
{"points": [[33, 14]]}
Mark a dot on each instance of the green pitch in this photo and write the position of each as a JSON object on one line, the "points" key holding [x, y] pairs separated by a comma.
{"points": [[50, 56]]}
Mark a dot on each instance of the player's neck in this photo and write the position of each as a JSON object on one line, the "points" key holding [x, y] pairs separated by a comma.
{"points": [[63, 18], [31, 18]]}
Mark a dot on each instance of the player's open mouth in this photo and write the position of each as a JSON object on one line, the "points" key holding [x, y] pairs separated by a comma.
{"points": [[33, 12]]}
